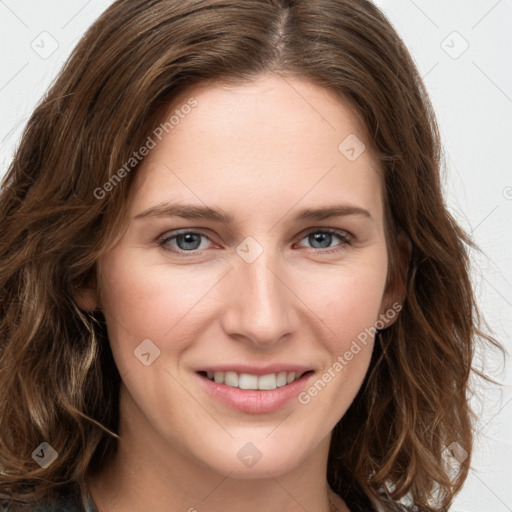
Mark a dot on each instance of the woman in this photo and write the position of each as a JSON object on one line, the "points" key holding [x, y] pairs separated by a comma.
{"points": [[311, 349]]}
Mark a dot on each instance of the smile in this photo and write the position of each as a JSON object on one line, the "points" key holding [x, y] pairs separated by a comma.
{"points": [[255, 382]]}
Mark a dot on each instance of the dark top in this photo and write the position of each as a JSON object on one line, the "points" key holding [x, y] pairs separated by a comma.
{"points": [[65, 503], [71, 503]]}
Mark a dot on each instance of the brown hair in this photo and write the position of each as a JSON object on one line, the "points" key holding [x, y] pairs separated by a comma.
{"points": [[58, 380]]}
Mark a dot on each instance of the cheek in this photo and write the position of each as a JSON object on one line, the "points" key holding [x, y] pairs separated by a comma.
{"points": [[142, 300], [147, 297], [349, 307], [347, 299]]}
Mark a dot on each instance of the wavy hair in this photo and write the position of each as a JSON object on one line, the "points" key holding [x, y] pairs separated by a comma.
{"points": [[58, 379]]}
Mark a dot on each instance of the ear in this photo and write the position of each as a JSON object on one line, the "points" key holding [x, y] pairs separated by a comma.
{"points": [[395, 292], [87, 299]]}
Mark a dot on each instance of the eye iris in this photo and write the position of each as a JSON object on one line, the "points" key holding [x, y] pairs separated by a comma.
{"points": [[324, 239], [189, 239]]}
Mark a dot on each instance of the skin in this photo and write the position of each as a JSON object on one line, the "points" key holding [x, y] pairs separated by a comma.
{"points": [[261, 152]]}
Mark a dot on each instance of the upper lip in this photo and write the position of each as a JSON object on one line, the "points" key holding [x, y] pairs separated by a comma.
{"points": [[257, 370]]}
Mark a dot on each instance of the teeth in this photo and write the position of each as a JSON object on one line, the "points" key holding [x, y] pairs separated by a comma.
{"points": [[281, 379], [267, 381], [248, 381], [231, 379]]}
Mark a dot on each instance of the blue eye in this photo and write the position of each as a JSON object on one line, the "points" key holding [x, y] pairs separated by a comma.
{"points": [[323, 241], [190, 242], [186, 241]]}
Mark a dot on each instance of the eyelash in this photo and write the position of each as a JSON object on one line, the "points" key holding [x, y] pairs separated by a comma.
{"points": [[346, 239]]}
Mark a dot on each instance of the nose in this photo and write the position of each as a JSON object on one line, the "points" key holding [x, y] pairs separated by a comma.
{"points": [[260, 308]]}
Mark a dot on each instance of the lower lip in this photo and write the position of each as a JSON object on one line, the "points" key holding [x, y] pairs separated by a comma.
{"points": [[252, 400]]}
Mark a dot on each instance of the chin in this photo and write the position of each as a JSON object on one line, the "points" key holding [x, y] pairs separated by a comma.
{"points": [[256, 460]]}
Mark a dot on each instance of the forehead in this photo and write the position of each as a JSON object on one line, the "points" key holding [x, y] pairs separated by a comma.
{"points": [[293, 105], [272, 140]]}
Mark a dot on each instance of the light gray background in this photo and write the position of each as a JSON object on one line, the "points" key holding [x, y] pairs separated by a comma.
{"points": [[471, 89]]}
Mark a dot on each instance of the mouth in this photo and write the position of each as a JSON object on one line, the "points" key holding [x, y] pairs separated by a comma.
{"points": [[254, 390], [250, 381]]}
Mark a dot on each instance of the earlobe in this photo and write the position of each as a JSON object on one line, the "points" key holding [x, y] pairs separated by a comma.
{"points": [[87, 299], [87, 295], [395, 293]]}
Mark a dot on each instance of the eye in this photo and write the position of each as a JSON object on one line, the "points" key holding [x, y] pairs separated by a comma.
{"points": [[322, 239], [186, 241]]}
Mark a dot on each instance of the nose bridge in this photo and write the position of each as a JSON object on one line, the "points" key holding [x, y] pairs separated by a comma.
{"points": [[260, 307]]}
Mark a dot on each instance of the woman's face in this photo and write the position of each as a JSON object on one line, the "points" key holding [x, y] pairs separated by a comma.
{"points": [[293, 282]]}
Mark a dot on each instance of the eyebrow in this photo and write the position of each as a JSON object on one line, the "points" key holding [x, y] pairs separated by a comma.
{"points": [[218, 215]]}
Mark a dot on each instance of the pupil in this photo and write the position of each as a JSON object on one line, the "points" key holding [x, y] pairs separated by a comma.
{"points": [[322, 238], [189, 239]]}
